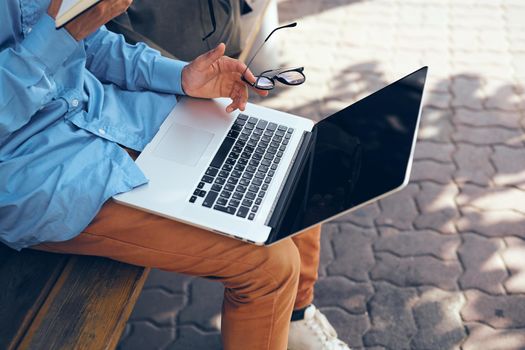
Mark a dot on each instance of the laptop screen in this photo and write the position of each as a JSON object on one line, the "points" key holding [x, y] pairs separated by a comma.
{"points": [[356, 155]]}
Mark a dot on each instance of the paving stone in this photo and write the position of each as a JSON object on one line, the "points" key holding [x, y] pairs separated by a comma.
{"points": [[428, 170], [510, 163], [513, 256], [483, 267], [440, 152], [486, 118], [486, 338], [502, 311], [413, 243], [416, 271], [468, 92], [473, 164], [353, 253], [497, 223], [436, 125], [391, 322], [158, 306], [350, 328], [439, 325], [399, 209], [488, 136], [172, 282], [500, 94], [145, 335], [364, 217], [492, 198], [206, 297], [190, 337], [338, 291], [438, 210], [327, 252]]}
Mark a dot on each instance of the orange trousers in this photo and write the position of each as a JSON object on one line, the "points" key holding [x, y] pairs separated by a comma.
{"points": [[262, 284]]}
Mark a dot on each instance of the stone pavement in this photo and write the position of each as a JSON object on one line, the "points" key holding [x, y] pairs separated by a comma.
{"points": [[441, 264]]}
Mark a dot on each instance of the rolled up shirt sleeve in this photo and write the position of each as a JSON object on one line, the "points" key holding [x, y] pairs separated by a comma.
{"points": [[132, 67], [27, 70]]}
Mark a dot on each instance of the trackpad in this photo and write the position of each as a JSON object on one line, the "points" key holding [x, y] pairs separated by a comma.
{"points": [[183, 144]]}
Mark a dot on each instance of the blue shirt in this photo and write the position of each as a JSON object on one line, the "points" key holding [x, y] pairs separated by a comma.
{"points": [[65, 106]]}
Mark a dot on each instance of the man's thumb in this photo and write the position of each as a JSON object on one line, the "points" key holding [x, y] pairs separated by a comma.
{"points": [[213, 55]]}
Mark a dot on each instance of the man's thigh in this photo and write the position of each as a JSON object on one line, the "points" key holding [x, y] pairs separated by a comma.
{"points": [[140, 238]]}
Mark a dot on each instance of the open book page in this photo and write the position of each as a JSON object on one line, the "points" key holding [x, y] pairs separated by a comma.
{"points": [[66, 6]]}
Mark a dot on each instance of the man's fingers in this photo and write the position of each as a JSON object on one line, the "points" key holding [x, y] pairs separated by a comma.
{"points": [[207, 59]]}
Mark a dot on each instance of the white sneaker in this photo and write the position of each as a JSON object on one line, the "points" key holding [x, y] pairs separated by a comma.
{"points": [[314, 332]]}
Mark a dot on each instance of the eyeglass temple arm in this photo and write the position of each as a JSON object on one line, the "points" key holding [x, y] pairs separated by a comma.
{"points": [[265, 40]]}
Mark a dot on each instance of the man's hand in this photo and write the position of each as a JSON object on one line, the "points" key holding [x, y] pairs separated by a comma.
{"points": [[215, 75], [92, 19]]}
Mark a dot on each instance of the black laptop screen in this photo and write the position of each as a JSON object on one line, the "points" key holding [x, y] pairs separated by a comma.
{"points": [[356, 155]]}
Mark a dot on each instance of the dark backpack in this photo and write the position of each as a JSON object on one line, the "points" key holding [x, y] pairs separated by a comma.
{"points": [[177, 27]]}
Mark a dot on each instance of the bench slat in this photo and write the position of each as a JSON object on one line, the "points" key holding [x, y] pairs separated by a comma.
{"points": [[88, 306], [25, 281]]}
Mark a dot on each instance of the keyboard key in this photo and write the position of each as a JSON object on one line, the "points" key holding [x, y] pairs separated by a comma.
{"points": [[247, 203], [210, 199], [256, 156], [239, 167], [193, 199], [230, 161], [200, 185], [247, 175], [242, 116], [287, 136], [282, 148], [241, 188], [234, 203], [232, 133], [262, 124], [290, 130], [250, 195], [233, 180], [252, 120], [243, 137], [279, 154], [251, 168], [254, 188], [237, 149], [257, 181], [243, 211], [226, 194], [259, 150], [251, 216], [229, 187], [237, 195], [207, 179], [259, 174], [265, 187], [266, 139], [254, 162], [268, 133], [282, 128], [236, 127], [196, 192], [227, 167], [262, 194], [268, 156], [266, 162], [271, 173], [255, 208], [274, 144], [258, 200], [277, 138], [272, 150], [234, 155], [263, 168], [257, 132], [244, 182], [236, 174], [229, 210], [223, 173], [243, 161], [272, 126], [277, 160], [216, 187], [274, 167], [285, 142], [268, 179], [263, 144], [222, 201], [279, 133], [249, 126], [240, 122]]}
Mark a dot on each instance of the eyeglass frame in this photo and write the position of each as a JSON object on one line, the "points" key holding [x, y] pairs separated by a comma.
{"points": [[294, 24], [275, 77]]}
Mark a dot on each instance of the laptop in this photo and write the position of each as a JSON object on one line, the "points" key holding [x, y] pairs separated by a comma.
{"points": [[262, 175]]}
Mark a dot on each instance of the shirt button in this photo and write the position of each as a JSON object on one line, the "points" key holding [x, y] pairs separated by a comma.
{"points": [[102, 131], [29, 30], [74, 102]]}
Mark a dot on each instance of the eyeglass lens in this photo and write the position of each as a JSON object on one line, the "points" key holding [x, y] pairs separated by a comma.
{"points": [[291, 77]]}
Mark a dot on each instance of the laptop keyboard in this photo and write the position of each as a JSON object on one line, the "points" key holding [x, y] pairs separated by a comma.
{"points": [[241, 171]]}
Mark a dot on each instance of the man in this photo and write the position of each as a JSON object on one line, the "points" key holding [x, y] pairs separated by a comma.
{"points": [[72, 102]]}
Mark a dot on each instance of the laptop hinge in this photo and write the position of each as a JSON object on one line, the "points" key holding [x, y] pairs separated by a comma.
{"points": [[283, 199]]}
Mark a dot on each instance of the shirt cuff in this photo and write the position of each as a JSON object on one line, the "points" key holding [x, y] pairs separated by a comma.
{"points": [[167, 75], [50, 45]]}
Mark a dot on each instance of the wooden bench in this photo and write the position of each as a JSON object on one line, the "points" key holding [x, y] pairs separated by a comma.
{"points": [[53, 301]]}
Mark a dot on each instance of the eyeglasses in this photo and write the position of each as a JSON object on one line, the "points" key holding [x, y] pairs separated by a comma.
{"points": [[287, 76]]}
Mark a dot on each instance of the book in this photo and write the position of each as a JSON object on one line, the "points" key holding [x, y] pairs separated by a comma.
{"points": [[72, 8]]}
